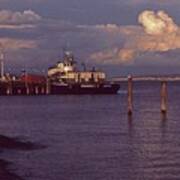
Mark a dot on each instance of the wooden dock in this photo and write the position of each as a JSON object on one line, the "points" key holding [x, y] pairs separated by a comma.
{"points": [[10, 88]]}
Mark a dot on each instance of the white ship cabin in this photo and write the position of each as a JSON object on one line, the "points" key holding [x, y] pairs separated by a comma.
{"points": [[67, 65], [84, 77], [66, 72]]}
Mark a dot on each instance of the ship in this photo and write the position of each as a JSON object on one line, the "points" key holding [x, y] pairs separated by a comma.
{"points": [[65, 78], [62, 78]]}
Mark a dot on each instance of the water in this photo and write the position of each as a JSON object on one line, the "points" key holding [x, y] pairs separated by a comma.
{"points": [[91, 137]]}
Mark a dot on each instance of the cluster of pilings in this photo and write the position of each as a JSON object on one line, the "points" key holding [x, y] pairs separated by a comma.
{"points": [[163, 94], [21, 88]]}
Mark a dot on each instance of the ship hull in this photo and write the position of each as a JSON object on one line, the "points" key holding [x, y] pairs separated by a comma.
{"points": [[85, 89]]}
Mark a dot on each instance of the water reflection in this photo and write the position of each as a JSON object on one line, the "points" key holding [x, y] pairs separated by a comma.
{"points": [[91, 137], [164, 117]]}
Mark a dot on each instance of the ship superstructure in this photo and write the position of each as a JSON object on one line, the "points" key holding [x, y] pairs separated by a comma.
{"points": [[65, 78], [66, 72]]}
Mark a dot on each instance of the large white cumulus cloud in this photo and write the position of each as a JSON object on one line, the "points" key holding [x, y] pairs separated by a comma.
{"points": [[159, 23], [158, 33]]}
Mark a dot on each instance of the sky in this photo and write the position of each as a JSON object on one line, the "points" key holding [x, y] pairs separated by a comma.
{"points": [[120, 37]]}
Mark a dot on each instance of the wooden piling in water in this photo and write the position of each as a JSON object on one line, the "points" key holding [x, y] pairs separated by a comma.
{"points": [[9, 88], [164, 97], [7, 91], [48, 86], [27, 90], [36, 90], [130, 95], [19, 92], [42, 90]]}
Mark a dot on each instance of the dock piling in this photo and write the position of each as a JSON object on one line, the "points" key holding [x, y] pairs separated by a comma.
{"points": [[130, 95], [42, 90], [36, 90], [9, 89], [27, 90], [164, 97], [48, 89]]}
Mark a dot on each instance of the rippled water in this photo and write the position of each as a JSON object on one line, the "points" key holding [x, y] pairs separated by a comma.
{"points": [[91, 137]]}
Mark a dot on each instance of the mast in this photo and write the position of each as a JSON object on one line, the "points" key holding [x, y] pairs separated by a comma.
{"points": [[2, 62]]}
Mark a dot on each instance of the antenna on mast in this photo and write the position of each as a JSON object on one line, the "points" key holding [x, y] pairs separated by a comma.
{"points": [[2, 61], [65, 48]]}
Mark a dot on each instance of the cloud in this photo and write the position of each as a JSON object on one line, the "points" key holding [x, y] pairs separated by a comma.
{"points": [[153, 2], [102, 43], [14, 22], [16, 44], [16, 27], [113, 56], [27, 19], [158, 33], [104, 56], [23, 2], [157, 23], [111, 28], [24, 35], [17, 18]]}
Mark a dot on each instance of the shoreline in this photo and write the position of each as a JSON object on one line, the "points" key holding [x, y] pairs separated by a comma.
{"points": [[8, 144]]}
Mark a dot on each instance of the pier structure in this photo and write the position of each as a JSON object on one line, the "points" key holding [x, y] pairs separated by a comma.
{"points": [[25, 85], [163, 97]]}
